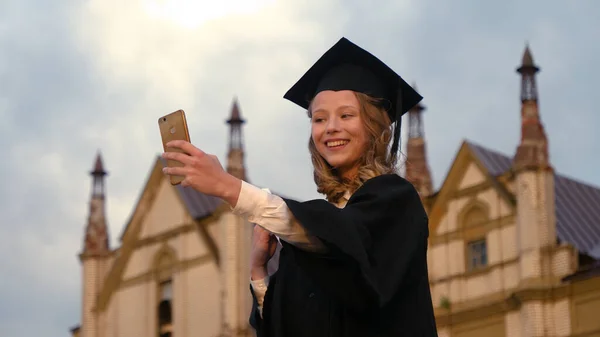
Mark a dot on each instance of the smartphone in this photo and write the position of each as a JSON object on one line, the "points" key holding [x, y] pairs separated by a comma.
{"points": [[173, 127]]}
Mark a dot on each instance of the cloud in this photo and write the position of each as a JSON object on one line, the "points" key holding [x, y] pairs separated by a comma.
{"points": [[85, 77], [463, 58], [42, 217]]}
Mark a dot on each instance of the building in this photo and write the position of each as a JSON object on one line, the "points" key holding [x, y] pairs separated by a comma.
{"points": [[514, 246], [182, 267]]}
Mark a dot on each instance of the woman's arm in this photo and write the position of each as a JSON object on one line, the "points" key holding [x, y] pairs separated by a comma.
{"points": [[270, 212], [205, 174]]}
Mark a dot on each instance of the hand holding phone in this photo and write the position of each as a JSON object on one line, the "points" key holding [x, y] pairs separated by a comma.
{"points": [[173, 127]]}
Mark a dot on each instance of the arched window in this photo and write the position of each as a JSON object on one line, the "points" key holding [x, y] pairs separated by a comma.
{"points": [[473, 219], [164, 263], [474, 215]]}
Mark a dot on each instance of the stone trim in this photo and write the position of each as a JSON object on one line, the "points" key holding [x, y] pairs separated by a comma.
{"points": [[472, 190], [503, 302], [463, 232], [175, 267], [181, 229], [497, 303], [587, 333], [475, 272], [165, 236]]}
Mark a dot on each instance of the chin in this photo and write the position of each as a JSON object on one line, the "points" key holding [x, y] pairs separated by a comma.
{"points": [[339, 159], [337, 163]]}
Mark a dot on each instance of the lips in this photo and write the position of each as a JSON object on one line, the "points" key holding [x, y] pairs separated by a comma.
{"points": [[336, 143]]}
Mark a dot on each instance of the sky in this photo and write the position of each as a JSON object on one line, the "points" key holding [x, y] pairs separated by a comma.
{"points": [[78, 77]]}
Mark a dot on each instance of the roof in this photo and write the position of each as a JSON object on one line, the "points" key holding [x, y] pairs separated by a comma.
{"points": [[198, 204], [577, 203], [495, 162]]}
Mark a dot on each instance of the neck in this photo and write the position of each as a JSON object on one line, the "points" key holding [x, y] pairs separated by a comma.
{"points": [[348, 173]]}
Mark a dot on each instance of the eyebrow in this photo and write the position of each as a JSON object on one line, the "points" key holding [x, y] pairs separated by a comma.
{"points": [[339, 108]]}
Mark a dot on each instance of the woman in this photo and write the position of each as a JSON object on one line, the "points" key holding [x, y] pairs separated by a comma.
{"points": [[356, 264]]}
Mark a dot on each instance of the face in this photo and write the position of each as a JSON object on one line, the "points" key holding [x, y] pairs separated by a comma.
{"points": [[338, 130]]}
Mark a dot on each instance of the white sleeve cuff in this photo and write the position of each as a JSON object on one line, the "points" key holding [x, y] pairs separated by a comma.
{"points": [[260, 289]]}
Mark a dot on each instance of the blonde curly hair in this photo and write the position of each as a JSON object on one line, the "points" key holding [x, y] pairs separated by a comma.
{"points": [[375, 161]]}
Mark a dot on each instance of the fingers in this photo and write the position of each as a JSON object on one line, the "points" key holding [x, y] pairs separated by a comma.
{"points": [[186, 147], [178, 156], [176, 171]]}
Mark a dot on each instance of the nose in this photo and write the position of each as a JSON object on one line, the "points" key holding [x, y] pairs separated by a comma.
{"points": [[333, 125]]}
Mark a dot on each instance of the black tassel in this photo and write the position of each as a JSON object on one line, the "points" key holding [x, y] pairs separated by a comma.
{"points": [[397, 127]]}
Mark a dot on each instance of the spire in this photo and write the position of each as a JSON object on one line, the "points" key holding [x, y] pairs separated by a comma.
{"points": [[98, 174], [528, 70], [532, 152], [96, 233], [527, 58], [235, 158], [417, 168]]}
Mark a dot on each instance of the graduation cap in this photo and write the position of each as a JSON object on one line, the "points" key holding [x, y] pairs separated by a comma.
{"points": [[346, 66]]}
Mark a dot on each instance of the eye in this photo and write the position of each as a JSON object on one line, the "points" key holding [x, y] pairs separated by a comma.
{"points": [[317, 120], [347, 115]]}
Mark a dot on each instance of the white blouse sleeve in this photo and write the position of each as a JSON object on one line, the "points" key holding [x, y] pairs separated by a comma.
{"points": [[269, 211]]}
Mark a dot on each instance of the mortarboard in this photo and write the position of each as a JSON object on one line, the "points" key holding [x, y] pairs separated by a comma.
{"points": [[346, 66]]}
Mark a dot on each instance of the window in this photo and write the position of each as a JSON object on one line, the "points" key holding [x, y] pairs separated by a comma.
{"points": [[477, 254], [164, 264], [165, 321]]}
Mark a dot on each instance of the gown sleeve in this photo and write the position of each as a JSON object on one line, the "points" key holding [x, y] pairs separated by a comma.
{"points": [[269, 211], [371, 242]]}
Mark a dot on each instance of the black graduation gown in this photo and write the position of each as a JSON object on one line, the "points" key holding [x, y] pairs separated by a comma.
{"points": [[373, 279]]}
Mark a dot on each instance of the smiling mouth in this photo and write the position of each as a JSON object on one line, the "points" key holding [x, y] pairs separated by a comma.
{"points": [[336, 143]]}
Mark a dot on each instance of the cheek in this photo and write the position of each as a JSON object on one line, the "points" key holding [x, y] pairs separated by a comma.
{"points": [[361, 144], [316, 133], [361, 136]]}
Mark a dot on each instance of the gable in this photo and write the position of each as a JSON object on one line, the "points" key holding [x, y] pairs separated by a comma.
{"points": [[129, 236], [162, 214], [577, 204], [467, 177], [472, 177], [166, 212], [487, 198]]}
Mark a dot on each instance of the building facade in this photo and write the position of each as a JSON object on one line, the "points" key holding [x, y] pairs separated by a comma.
{"points": [[514, 245]]}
